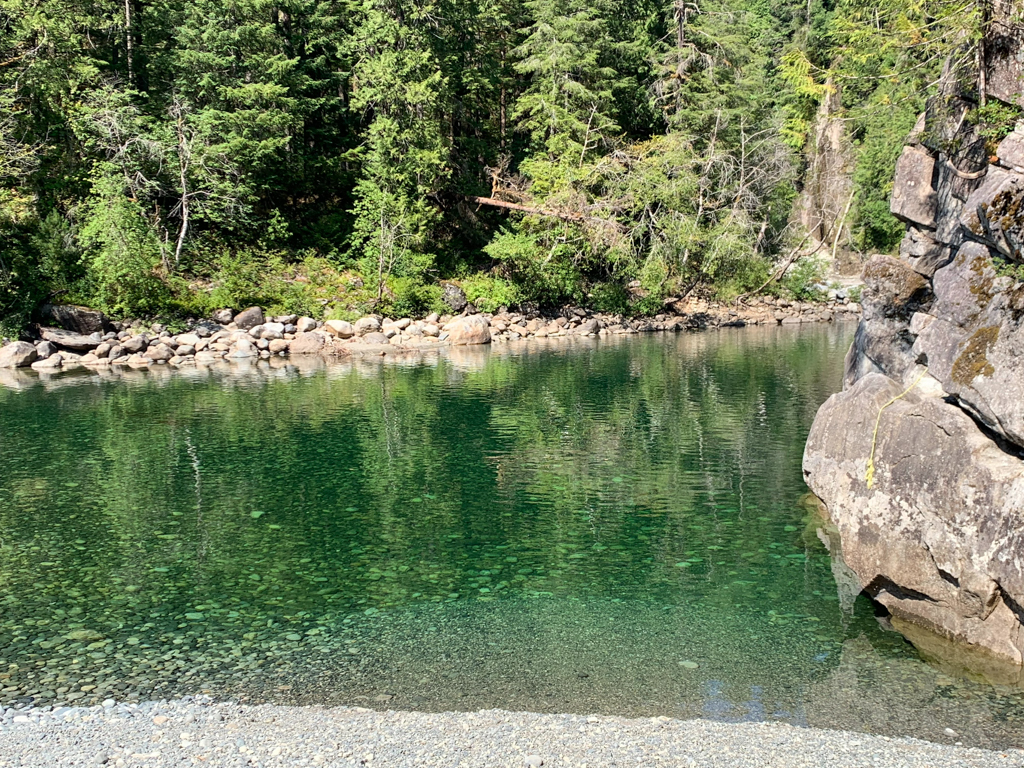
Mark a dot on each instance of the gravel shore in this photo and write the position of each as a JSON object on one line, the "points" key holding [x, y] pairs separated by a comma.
{"points": [[199, 732]]}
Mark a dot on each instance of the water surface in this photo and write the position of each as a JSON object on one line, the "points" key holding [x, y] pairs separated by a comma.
{"points": [[608, 527]]}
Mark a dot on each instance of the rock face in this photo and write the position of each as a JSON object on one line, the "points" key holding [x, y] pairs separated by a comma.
{"points": [[936, 477], [20, 354], [930, 507]]}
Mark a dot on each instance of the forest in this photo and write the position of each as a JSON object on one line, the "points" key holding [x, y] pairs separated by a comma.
{"points": [[331, 157]]}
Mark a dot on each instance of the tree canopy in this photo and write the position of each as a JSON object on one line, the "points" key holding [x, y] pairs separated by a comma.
{"points": [[327, 156]]}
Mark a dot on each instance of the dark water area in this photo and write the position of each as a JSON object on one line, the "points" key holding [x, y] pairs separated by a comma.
{"points": [[614, 527]]}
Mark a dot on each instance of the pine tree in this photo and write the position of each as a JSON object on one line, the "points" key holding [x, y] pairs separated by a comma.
{"points": [[398, 86]]}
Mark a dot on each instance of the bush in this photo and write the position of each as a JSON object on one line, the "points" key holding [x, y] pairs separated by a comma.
{"points": [[488, 293], [802, 280], [21, 288], [410, 298], [253, 277]]}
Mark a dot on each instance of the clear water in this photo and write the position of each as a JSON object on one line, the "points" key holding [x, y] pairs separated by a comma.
{"points": [[597, 527]]}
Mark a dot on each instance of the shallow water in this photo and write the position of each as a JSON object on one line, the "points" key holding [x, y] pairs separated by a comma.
{"points": [[607, 527]]}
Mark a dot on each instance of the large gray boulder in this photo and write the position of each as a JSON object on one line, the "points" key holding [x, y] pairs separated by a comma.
{"points": [[20, 354], [249, 318], [454, 297], [311, 343], [472, 329], [340, 328], [937, 538], [923, 253], [364, 325], [71, 340]]}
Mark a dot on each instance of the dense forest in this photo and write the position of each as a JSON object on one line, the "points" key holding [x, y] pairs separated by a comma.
{"points": [[164, 157]]}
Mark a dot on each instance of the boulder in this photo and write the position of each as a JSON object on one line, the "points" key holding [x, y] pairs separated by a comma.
{"points": [[892, 287], [159, 353], [77, 319], [20, 354], [913, 197], [286, 319], [374, 338], [242, 349], [305, 325], [249, 318], [45, 348], [188, 339], [134, 344], [311, 343], [923, 253], [184, 350], [51, 362], [224, 316], [936, 476], [472, 329], [1004, 52], [365, 325], [70, 340], [340, 328], [454, 297], [272, 331], [277, 346]]}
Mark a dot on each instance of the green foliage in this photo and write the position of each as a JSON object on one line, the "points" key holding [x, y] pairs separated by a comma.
{"points": [[250, 277], [487, 293], [803, 278], [1006, 268], [995, 121], [122, 251], [316, 155], [410, 297]]}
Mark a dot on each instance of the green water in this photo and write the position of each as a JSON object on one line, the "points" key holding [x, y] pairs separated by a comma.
{"points": [[600, 527]]}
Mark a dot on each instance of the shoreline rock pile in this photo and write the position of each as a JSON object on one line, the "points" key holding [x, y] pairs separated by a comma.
{"points": [[89, 339]]}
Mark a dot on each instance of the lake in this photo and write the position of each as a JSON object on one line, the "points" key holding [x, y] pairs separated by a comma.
{"points": [[609, 526]]}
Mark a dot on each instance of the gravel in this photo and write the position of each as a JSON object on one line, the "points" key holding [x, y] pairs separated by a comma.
{"points": [[197, 731]]}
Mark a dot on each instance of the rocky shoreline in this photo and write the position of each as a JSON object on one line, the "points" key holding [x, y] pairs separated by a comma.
{"points": [[88, 339], [196, 731]]}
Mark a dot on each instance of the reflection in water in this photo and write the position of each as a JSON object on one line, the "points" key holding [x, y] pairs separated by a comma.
{"points": [[602, 526]]}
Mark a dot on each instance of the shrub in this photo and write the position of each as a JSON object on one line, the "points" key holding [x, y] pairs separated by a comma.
{"points": [[488, 293], [803, 279]]}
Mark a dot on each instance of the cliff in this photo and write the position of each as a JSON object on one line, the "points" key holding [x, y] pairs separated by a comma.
{"points": [[920, 459]]}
